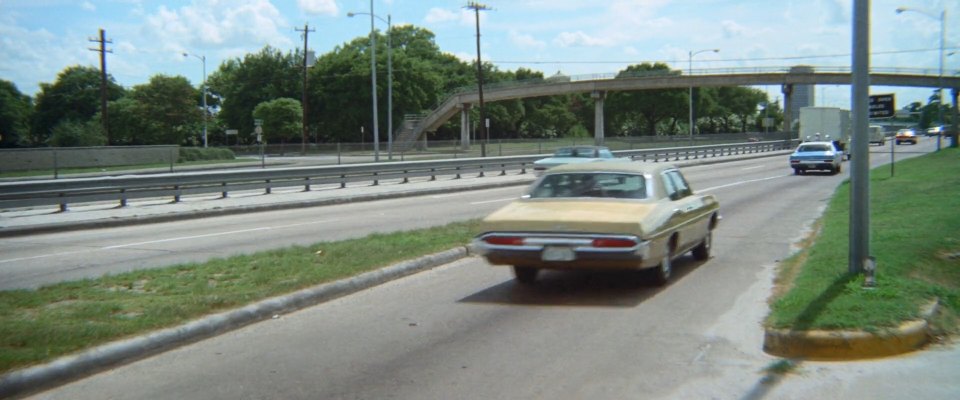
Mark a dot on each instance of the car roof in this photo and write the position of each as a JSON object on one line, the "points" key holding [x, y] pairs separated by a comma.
{"points": [[631, 167], [826, 143], [585, 146]]}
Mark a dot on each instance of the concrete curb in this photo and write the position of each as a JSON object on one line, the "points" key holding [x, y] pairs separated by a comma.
{"points": [[820, 345], [71, 368]]}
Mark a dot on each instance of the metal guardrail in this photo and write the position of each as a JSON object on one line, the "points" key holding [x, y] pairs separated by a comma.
{"points": [[63, 192]]}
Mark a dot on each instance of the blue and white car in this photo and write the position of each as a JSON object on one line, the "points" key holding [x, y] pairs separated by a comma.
{"points": [[823, 156], [574, 155]]}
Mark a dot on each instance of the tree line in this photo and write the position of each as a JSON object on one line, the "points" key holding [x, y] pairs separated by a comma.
{"points": [[268, 86]]}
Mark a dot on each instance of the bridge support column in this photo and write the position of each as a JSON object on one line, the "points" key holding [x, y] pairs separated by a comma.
{"points": [[787, 90], [465, 126], [954, 133], [598, 97]]}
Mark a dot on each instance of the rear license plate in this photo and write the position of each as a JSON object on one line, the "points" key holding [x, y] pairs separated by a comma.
{"points": [[558, 254]]}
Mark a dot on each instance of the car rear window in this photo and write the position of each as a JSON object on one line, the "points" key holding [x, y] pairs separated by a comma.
{"points": [[814, 147], [597, 185]]}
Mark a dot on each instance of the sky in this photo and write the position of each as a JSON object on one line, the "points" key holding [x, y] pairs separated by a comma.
{"points": [[39, 38]]}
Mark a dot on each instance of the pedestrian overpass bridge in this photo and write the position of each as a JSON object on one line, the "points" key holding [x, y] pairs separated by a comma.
{"points": [[415, 127]]}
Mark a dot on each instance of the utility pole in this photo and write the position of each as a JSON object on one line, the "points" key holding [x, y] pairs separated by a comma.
{"points": [[303, 102], [484, 130], [103, 80]]}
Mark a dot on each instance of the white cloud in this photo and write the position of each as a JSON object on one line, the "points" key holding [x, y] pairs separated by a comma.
{"points": [[318, 7], [732, 29], [88, 6], [525, 41], [580, 39], [437, 15], [218, 23]]}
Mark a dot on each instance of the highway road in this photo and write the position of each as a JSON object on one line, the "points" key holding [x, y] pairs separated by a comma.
{"points": [[466, 330], [32, 261]]}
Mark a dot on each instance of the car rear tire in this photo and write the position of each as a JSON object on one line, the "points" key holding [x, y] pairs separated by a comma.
{"points": [[661, 273], [796, 171], [702, 251], [525, 275]]}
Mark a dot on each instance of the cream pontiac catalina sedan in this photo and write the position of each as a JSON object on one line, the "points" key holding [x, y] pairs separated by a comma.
{"points": [[603, 215]]}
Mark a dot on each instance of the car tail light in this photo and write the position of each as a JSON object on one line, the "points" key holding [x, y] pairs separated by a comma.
{"points": [[504, 240], [614, 243]]}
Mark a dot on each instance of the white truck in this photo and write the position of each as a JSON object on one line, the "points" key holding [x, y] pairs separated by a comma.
{"points": [[826, 124]]}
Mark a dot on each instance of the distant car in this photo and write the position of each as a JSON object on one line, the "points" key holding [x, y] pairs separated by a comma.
{"points": [[906, 136], [876, 135], [604, 215], [934, 131], [816, 156], [574, 155]]}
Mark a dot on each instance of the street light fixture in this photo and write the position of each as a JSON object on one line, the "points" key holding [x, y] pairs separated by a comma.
{"points": [[690, 95], [389, 78], [203, 59], [943, 18]]}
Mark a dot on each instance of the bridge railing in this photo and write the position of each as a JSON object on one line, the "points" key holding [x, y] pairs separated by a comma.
{"points": [[121, 189]]}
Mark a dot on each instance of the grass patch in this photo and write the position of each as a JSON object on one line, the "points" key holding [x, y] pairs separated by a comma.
{"points": [[915, 237], [40, 325]]}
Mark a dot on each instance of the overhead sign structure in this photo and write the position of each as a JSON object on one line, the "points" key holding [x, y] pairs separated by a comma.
{"points": [[881, 106]]}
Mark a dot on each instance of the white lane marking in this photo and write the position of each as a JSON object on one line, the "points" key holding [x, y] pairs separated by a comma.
{"points": [[68, 253], [440, 196], [753, 167], [493, 201], [174, 239], [743, 182]]}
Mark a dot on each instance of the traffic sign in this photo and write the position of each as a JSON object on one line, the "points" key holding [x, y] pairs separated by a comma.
{"points": [[881, 106]]}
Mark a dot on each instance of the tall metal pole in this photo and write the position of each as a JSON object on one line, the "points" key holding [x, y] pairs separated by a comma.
{"points": [[373, 84], [203, 60], [389, 89], [203, 93], [692, 53], [860, 160], [484, 130], [389, 78]]}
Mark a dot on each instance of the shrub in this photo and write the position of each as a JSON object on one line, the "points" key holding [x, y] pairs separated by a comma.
{"points": [[201, 154]]}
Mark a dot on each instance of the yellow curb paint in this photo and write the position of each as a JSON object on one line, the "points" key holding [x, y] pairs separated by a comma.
{"points": [[845, 345]]}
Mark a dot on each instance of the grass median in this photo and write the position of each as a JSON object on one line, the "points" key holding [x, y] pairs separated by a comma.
{"points": [[915, 238], [40, 325]]}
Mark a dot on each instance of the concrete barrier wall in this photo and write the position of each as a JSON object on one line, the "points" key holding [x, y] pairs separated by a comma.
{"points": [[50, 158]]}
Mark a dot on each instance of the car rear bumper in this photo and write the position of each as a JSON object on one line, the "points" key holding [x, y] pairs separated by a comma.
{"points": [[533, 253]]}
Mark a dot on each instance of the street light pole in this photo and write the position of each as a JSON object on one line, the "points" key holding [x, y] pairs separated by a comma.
{"points": [[203, 60], [373, 84], [690, 94], [389, 78], [943, 30]]}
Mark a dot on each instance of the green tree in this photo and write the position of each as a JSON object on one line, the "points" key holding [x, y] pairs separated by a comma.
{"points": [[642, 111], [70, 133], [162, 111], [281, 119], [243, 83], [15, 111], [74, 96]]}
